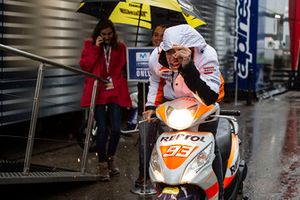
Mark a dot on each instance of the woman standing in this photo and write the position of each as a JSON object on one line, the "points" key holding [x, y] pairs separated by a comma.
{"points": [[104, 56]]}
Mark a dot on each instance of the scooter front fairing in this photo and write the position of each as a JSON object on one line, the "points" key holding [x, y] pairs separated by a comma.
{"points": [[184, 157]]}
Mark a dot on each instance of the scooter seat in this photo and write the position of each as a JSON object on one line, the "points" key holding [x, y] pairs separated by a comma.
{"points": [[223, 139]]}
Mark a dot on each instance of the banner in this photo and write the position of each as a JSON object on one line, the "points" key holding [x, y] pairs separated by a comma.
{"points": [[246, 42], [137, 63]]}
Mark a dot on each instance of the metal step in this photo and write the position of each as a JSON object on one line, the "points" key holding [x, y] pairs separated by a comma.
{"points": [[44, 177], [11, 173]]}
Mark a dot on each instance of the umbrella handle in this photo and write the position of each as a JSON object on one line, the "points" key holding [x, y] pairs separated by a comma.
{"points": [[138, 26]]}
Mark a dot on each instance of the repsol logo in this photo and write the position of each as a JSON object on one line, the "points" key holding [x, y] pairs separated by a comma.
{"points": [[193, 138], [243, 56]]}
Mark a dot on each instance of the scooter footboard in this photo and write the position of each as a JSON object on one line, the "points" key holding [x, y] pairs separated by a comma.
{"points": [[180, 192]]}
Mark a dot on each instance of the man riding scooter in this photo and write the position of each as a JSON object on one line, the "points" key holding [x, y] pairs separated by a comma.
{"points": [[185, 65]]}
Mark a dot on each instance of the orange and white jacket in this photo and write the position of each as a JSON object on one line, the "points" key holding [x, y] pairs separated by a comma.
{"points": [[201, 78]]}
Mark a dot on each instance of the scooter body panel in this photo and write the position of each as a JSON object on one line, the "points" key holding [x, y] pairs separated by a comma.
{"points": [[233, 161], [178, 151]]}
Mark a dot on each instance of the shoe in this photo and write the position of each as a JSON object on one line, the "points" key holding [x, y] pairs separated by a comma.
{"points": [[139, 181], [131, 128], [104, 171], [113, 169], [141, 188]]}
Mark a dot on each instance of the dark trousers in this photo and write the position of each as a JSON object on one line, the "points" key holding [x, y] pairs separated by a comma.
{"points": [[106, 115], [132, 119], [148, 134], [143, 89]]}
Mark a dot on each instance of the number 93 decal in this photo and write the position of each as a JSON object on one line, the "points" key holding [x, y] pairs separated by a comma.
{"points": [[175, 155]]}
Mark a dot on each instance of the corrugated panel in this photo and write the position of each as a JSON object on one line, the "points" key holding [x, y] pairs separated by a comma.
{"points": [[47, 28], [54, 30], [219, 31]]}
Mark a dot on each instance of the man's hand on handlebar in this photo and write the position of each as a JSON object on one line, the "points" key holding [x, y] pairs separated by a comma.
{"points": [[148, 115]]}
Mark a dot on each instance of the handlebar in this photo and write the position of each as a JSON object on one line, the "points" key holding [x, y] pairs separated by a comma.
{"points": [[230, 112]]}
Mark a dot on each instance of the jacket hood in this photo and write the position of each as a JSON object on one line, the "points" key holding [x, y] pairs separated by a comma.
{"points": [[183, 35]]}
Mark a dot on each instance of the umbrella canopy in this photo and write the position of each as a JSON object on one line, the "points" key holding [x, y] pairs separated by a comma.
{"points": [[143, 13]]}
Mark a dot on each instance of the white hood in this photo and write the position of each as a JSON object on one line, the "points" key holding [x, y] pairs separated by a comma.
{"points": [[184, 35]]}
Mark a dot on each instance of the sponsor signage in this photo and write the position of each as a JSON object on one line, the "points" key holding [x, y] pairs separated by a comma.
{"points": [[137, 63], [193, 138], [246, 41]]}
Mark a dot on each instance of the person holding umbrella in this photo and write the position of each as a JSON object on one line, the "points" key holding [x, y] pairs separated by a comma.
{"points": [[185, 65], [156, 39], [104, 56], [131, 125]]}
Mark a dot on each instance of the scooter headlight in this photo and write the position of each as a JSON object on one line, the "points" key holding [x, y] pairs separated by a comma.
{"points": [[180, 119], [204, 157], [154, 163]]}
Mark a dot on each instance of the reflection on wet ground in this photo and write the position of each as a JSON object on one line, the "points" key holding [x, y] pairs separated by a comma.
{"points": [[290, 152], [269, 131], [270, 145]]}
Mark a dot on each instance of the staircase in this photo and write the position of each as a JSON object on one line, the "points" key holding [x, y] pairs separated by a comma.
{"points": [[12, 172]]}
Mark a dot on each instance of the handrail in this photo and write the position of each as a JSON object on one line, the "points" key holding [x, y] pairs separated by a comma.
{"points": [[36, 100], [48, 61]]}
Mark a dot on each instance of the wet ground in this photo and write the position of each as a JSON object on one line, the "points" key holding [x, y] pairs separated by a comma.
{"points": [[269, 131]]}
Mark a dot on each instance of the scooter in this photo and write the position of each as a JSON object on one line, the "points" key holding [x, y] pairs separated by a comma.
{"points": [[181, 161]]}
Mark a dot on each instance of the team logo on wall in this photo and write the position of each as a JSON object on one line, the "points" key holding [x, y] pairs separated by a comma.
{"points": [[142, 56]]}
